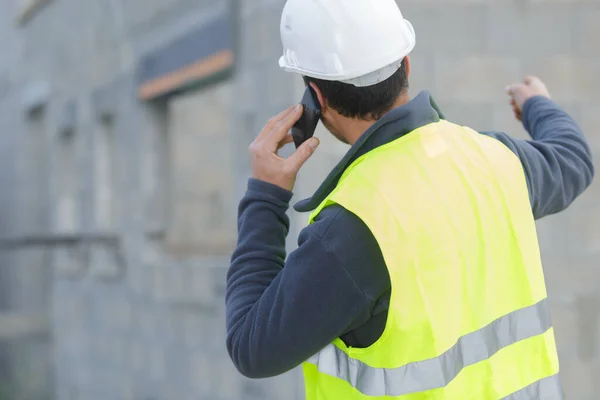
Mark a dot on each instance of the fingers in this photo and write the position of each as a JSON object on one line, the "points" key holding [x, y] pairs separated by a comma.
{"points": [[282, 127], [286, 139], [515, 107], [304, 152], [517, 113], [520, 93], [529, 80], [514, 88], [273, 121]]}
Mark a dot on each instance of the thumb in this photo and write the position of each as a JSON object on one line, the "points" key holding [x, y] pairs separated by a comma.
{"points": [[510, 89], [297, 160]]}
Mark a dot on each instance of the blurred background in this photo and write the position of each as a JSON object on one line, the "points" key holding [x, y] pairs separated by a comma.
{"points": [[124, 127]]}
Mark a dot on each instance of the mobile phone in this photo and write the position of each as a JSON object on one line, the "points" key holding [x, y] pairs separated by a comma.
{"points": [[304, 129]]}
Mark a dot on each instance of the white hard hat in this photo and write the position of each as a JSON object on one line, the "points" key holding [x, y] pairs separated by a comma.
{"points": [[361, 42]]}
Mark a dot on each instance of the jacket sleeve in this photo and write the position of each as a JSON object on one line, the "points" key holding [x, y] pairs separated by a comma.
{"points": [[281, 312], [557, 161]]}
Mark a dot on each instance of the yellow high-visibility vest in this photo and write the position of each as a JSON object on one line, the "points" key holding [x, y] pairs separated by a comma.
{"points": [[468, 317]]}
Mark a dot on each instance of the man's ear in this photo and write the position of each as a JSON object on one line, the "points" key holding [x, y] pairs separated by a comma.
{"points": [[320, 97], [407, 65]]}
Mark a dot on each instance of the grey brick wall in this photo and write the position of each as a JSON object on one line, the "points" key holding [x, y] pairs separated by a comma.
{"points": [[145, 319]]}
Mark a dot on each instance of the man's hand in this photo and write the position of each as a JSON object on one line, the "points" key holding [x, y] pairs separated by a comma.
{"points": [[266, 164], [521, 92]]}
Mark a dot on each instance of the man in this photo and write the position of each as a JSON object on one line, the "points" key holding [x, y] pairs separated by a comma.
{"points": [[419, 275]]}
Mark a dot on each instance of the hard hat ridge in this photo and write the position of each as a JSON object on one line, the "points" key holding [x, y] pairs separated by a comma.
{"points": [[360, 42]]}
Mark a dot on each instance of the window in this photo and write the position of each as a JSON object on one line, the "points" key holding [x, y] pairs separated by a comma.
{"points": [[104, 148], [35, 186], [201, 184], [66, 212], [103, 255], [156, 170]]}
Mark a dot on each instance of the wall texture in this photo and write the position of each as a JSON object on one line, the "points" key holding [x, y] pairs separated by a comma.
{"points": [[136, 308]]}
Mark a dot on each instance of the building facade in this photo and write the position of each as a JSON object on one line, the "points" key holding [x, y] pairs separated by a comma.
{"points": [[124, 127]]}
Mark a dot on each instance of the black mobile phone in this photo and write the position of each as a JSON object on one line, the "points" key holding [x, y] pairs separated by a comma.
{"points": [[304, 129]]}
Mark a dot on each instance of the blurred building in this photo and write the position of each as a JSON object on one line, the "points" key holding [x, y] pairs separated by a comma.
{"points": [[124, 126]]}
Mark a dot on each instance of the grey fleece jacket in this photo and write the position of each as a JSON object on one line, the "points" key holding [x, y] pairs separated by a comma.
{"points": [[282, 311]]}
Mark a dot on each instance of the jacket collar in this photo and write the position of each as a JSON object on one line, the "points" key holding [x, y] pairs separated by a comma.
{"points": [[420, 111]]}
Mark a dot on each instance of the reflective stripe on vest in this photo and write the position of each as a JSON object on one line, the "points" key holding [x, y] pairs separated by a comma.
{"points": [[440, 371]]}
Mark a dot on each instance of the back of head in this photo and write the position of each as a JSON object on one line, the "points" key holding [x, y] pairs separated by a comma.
{"points": [[352, 50], [365, 103]]}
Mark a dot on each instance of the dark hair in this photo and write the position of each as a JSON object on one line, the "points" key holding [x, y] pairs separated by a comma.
{"points": [[366, 103]]}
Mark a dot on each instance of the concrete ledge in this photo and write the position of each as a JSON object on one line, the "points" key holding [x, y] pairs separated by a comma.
{"points": [[196, 55], [191, 73], [29, 9]]}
